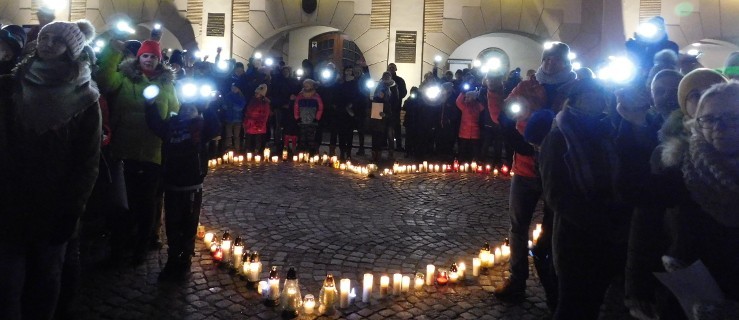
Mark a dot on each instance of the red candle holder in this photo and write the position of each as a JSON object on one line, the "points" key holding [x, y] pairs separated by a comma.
{"points": [[218, 254], [443, 278]]}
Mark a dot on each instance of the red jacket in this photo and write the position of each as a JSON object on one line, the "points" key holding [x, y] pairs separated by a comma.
{"points": [[469, 126], [256, 116], [522, 165]]}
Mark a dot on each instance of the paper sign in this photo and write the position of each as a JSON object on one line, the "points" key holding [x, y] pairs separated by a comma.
{"points": [[377, 108]]}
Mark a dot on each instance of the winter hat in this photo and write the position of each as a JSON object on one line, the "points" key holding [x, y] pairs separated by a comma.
{"points": [[698, 79], [75, 34], [132, 46], [311, 82], [558, 49], [261, 89], [731, 66], [472, 95], [176, 58], [12, 41], [150, 47], [18, 32], [538, 126]]}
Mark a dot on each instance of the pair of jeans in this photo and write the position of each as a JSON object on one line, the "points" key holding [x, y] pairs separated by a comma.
{"points": [[30, 279], [233, 135]]}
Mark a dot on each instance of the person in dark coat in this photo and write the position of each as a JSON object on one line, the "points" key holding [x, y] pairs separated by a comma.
{"points": [[50, 133], [397, 102], [579, 168], [347, 95]]}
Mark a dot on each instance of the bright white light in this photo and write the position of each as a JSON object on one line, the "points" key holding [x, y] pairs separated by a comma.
{"points": [[299, 72], [257, 55], [124, 27], [476, 63], [413, 95], [696, 44], [169, 49], [548, 45], [647, 30], [100, 43], [223, 65], [694, 52], [466, 86], [619, 70], [515, 108], [326, 74], [572, 55], [437, 58], [269, 62], [485, 68], [189, 90], [151, 92], [370, 84], [576, 65], [157, 26], [206, 90], [97, 49], [493, 64], [432, 92], [198, 54]]}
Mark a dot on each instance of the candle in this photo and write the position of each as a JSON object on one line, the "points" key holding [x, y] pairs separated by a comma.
{"points": [[425, 166], [201, 231], [300, 156], [275, 159], [238, 253], [309, 304], [384, 284], [367, 287], [267, 151], [505, 251], [219, 161], [418, 285], [263, 289], [257, 158], [218, 254], [225, 158], [485, 255], [226, 247], [241, 159], [208, 239], [436, 168], [476, 267], [531, 244], [498, 255], [453, 273], [249, 156], [537, 233], [473, 165], [504, 169], [397, 283], [352, 296], [274, 284], [295, 158], [284, 155], [442, 278], [344, 287], [461, 269], [406, 285], [328, 295], [430, 269], [213, 246], [495, 172]]}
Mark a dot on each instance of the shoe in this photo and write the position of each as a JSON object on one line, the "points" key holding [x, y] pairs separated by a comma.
{"points": [[510, 290]]}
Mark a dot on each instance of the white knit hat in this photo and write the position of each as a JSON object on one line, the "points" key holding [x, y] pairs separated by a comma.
{"points": [[75, 34]]}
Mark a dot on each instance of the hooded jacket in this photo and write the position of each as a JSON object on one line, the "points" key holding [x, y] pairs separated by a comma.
{"points": [[124, 85]]}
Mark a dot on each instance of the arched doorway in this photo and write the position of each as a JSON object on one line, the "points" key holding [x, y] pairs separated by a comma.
{"points": [[334, 47]]}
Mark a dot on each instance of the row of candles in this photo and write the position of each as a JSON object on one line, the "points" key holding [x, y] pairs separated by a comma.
{"points": [[473, 167], [231, 252]]}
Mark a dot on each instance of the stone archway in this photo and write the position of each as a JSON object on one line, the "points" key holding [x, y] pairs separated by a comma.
{"points": [[143, 12], [273, 18], [578, 23]]}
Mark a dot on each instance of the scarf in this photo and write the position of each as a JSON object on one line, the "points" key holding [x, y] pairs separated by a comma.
{"points": [[561, 77], [713, 181], [53, 92], [591, 157]]}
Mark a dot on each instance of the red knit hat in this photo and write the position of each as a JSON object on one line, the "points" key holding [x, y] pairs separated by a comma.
{"points": [[151, 47]]}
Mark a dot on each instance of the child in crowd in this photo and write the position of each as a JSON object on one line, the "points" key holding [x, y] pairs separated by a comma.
{"points": [[255, 122], [184, 166], [469, 129], [308, 110]]}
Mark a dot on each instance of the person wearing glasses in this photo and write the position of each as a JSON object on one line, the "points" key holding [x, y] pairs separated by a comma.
{"points": [[707, 198]]}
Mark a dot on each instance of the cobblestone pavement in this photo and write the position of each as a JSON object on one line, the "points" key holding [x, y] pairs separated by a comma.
{"points": [[321, 221]]}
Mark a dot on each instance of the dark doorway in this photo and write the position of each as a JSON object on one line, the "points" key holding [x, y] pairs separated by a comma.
{"points": [[334, 47]]}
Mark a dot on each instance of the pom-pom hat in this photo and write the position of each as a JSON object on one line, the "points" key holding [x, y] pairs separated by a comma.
{"points": [[76, 35]]}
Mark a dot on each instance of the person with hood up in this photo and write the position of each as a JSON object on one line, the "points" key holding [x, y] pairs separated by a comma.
{"points": [[50, 133], [138, 147], [12, 41]]}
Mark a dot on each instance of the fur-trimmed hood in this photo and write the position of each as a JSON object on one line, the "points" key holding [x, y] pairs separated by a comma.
{"points": [[674, 141], [129, 68]]}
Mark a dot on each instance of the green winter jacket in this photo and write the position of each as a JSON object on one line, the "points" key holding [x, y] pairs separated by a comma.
{"points": [[123, 86]]}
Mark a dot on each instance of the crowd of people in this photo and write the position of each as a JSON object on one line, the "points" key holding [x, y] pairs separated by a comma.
{"points": [[635, 179]]}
